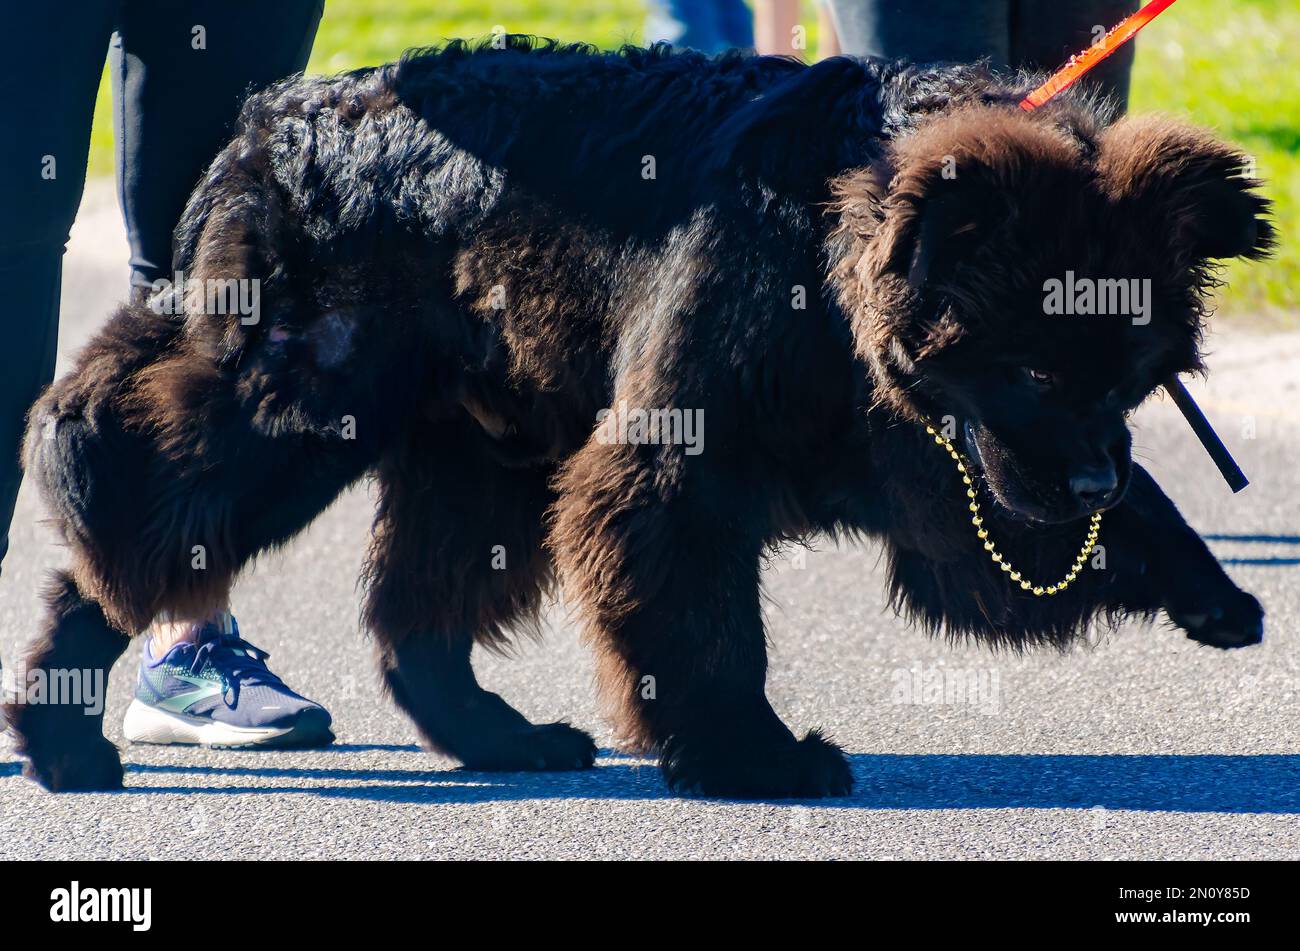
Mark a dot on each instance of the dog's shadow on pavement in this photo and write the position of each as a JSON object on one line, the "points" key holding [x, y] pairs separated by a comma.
{"points": [[1186, 783], [1273, 561], [1267, 783]]}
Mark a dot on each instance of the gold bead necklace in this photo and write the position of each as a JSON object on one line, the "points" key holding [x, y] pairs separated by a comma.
{"points": [[1094, 523]]}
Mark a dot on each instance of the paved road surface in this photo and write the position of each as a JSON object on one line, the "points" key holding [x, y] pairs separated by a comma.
{"points": [[1147, 746]]}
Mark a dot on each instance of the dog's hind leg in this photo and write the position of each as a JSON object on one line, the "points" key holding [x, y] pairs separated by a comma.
{"points": [[159, 517], [55, 700], [457, 557], [84, 634]]}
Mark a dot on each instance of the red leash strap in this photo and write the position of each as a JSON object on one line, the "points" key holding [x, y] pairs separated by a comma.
{"points": [[1080, 63]]}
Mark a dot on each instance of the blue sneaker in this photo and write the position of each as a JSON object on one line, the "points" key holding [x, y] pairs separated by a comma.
{"points": [[218, 691]]}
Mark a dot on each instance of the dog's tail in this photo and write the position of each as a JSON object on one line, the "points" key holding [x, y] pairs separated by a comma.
{"points": [[229, 197], [233, 257]]}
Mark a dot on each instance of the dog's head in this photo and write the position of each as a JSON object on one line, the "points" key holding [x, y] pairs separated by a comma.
{"points": [[1029, 278]]}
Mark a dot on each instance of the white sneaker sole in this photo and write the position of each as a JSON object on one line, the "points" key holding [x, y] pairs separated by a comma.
{"points": [[146, 724]]}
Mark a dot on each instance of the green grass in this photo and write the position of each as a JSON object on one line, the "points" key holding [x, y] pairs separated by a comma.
{"points": [[369, 32], [1230, 65], [365, 32]]}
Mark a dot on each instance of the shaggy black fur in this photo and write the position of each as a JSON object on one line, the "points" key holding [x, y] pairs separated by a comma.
{"points": [[467, 255]]}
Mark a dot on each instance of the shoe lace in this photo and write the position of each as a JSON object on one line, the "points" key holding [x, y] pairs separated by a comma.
{"points": [[239, 663]]}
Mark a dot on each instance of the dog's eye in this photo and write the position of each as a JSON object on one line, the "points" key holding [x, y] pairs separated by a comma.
{"points": [[1040, 378]]}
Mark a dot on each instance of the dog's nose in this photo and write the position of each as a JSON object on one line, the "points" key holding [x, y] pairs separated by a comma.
{"points": [[1094, 485]]}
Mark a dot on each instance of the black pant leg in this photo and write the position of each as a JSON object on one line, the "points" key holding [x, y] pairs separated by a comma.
{"points": [[959, 31], [51, 68], [181, 71]]}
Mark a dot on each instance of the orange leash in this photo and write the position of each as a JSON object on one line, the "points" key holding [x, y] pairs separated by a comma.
{"points": [[1080, 63]]}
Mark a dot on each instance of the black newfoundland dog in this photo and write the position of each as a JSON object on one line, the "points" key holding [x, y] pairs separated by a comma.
{"points": [[465, 257]]}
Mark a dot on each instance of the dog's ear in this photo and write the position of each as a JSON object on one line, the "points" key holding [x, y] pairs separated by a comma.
{"points": [[1200, 195], [931, 224], [958, 182], [903, 236], [949, 227]]}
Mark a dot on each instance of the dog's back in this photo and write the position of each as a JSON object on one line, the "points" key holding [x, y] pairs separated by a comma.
{"points": [[541, 207], [435, 139]]}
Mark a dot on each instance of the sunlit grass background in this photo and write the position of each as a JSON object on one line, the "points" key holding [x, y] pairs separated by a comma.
{"points": [[1233, 65]]}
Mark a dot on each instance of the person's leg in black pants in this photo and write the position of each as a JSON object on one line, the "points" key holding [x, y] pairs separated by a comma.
{"points": [[180, 73], [1035, 34], [50, 71], [926, 31]]}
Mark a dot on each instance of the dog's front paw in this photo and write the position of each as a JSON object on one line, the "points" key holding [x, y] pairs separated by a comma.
{"points": [[1224, 618], [90, 767], [811, 768]]}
